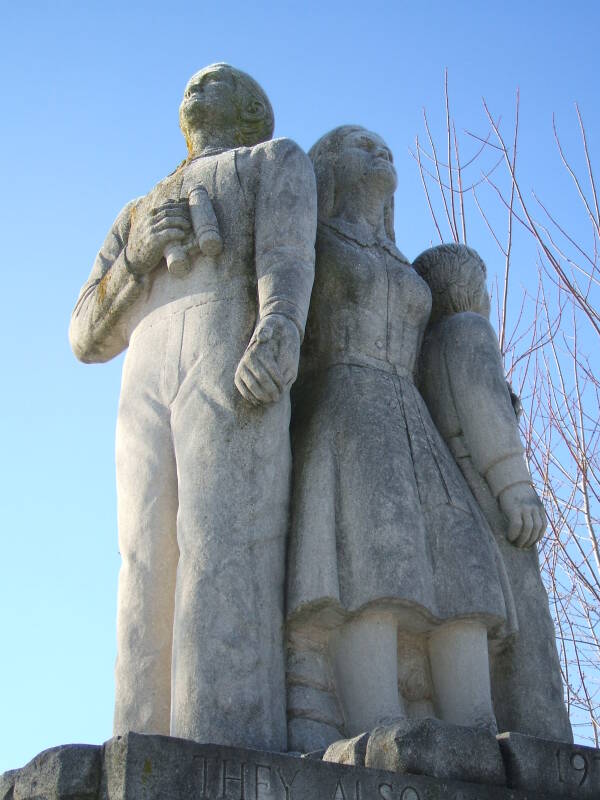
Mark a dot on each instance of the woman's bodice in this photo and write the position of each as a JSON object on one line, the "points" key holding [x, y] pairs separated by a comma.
{"points": [[368, 306]]}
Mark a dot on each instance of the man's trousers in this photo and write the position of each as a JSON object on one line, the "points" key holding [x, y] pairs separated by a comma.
{"points": [[203, 488]]}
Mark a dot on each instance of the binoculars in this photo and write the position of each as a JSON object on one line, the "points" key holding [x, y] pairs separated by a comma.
{"points": [[206, 230]]}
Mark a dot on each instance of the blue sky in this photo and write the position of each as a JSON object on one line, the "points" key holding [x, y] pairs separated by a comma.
{"points": [[90, 93]]}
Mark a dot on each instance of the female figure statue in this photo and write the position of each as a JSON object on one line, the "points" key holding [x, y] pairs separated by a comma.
{"points": [[389, 557]]}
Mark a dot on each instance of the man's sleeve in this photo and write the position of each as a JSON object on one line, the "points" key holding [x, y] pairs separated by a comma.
{"points": [[97, 331], [482, 401], [285, 230]]}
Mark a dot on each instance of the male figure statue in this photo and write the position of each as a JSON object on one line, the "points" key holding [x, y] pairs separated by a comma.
{"points": [[207, 280], [462, 381]]}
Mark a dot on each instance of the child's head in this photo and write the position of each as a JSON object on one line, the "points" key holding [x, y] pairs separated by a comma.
{"points": [[456, 276]]}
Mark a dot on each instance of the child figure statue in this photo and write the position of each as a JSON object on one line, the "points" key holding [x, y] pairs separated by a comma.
{"points": [[463, 383]]}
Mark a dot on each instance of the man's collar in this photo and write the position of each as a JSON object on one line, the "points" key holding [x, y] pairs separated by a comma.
{"points": [[208, 151]]}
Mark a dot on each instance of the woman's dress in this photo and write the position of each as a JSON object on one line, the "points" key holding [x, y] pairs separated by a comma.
{"points": [[381, 515]]}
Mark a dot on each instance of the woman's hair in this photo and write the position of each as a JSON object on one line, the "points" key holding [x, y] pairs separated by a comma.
{"points": [[324, 155], [256, 120], [456, 276]]}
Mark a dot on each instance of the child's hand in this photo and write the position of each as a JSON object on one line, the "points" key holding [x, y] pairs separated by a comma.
{"points": [[526, 515]]}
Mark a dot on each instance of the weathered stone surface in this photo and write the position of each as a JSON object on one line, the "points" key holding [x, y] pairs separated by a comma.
{"points": [[7, 784], [385, 534], [348, 751], [463, 382], [70, 772], [431, 747], [552, 769], [206, 280], [318, 733], [304, 698], [396, 587], [141, 767]]}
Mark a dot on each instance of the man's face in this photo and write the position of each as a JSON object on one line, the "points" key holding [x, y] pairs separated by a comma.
{"points": [[209, 99]]}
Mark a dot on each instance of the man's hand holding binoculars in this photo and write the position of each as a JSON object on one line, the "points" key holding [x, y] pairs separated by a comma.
{"points": [[153, 231]]}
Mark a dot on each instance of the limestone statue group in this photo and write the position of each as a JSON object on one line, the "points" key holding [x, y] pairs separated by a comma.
{"points": [[303, 567]]}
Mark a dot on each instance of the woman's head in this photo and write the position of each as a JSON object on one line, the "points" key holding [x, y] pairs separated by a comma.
{"points": [[344, 158]]}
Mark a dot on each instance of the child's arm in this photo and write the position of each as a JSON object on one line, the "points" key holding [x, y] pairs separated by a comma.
{"points": [[489, 425]]}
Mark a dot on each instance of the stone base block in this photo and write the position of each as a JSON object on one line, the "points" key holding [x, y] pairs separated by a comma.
{"points": [[137, 767], [348, 751], [72, 771], [436, 748], [549, 768]]}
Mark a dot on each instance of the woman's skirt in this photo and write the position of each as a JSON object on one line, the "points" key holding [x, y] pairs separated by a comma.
{"points": [[381, 514]]}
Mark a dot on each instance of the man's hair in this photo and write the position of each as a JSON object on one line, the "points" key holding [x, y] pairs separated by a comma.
{"points": [[456, 276], [256, 120], [324, 155]]}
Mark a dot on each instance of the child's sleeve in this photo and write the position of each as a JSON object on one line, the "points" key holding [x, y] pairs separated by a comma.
{"points": [[483, 402]]}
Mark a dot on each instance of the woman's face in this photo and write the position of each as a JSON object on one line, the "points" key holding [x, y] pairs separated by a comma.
{"points": [[366, 159]]}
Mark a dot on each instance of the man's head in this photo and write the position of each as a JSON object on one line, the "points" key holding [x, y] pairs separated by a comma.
{"points": [[222, 99], [456, 276]]}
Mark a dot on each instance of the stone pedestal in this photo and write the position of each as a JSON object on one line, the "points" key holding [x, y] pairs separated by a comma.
{"points": [[137, 767]]}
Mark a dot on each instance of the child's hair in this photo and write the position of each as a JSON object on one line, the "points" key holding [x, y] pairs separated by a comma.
{"points": [[456, 276]]}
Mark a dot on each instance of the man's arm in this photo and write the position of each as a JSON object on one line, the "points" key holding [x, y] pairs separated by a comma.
{"points": [[121, 274], [284, 246], [488, 423], [96, 331]]}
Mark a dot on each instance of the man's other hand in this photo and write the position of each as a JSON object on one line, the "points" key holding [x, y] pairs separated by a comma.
{"points": [[270, 364]]}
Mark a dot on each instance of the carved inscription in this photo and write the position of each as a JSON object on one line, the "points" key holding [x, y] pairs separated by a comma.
{"points": [[578, 768], [342, 794], [551, 767], [226, 779], [263, 781], [229, 779], [287, 783], [409, 794], [221, 776], [387, 791]]}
